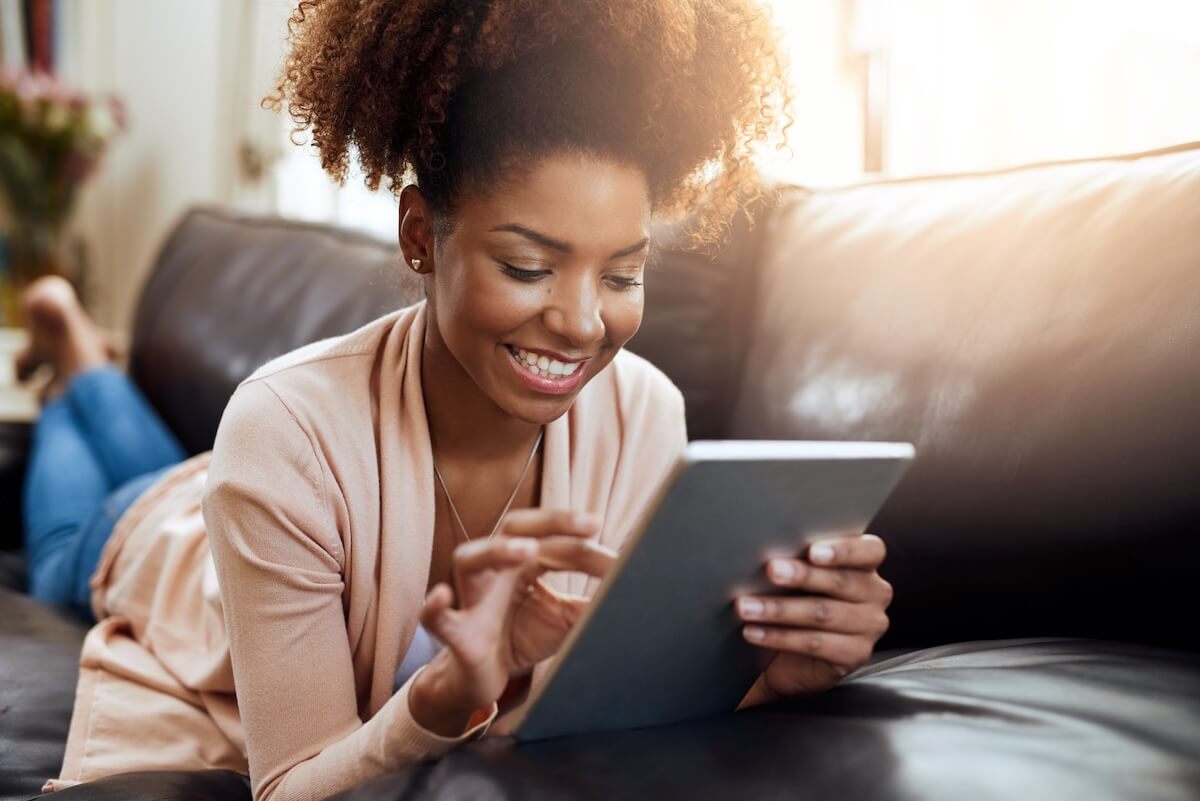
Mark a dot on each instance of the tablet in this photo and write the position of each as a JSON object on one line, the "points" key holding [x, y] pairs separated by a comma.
{"points": [[661, 642]]}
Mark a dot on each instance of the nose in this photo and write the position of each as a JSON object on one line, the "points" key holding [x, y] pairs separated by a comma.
{"points": [[575, 313]]}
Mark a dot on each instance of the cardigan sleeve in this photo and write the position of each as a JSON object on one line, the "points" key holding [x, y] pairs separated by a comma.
{"points": [[279, 562]]}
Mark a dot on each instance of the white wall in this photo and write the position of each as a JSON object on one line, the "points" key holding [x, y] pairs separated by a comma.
{"points": [[171, 63]]}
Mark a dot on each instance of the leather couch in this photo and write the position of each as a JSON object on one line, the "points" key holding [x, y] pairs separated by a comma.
{"points": [[1035, 332]]}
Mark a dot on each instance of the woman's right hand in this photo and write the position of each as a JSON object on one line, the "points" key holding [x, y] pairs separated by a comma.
{"points": [[506, 619]]}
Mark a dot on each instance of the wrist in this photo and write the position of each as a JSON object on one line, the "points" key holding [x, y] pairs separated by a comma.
{"points": [[438, 701]]}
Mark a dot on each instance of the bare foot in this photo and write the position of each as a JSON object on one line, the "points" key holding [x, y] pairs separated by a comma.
{"points": [[61, 334]]}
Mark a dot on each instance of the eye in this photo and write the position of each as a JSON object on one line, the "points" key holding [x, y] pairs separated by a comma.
{"points": [[522, 275], [622, 282]]}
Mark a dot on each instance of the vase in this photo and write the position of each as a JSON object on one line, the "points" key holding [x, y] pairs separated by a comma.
{"points": [[32, 249]]}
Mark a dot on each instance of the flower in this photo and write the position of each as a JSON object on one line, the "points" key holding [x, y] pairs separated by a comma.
{"points": [[52, 137]]}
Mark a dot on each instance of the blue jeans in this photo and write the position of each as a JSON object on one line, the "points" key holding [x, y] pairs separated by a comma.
{"points": [[95, 449]]}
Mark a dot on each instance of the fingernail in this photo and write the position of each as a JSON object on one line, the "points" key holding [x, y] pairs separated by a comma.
{"points": [[754, 633], [586, 520], [750, 607], [782, 569], [821, 554], [522, 545]]}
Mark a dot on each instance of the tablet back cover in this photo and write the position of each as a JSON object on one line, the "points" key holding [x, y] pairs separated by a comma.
{"points": [[661, 642]]}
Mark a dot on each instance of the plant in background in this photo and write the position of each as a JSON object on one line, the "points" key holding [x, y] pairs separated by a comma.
{"points": [[51, 139]]}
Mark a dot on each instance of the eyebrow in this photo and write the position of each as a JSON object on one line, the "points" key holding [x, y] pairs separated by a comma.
{"points": [[565, 247]]}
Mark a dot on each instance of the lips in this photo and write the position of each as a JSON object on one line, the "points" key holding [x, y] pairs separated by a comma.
{"points": [[544, 374]]}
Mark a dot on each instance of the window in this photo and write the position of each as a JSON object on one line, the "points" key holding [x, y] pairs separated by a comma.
{"points": [[906, 87]]}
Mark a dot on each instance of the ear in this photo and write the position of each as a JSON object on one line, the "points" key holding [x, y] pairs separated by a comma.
{"points": [[416, 229]]}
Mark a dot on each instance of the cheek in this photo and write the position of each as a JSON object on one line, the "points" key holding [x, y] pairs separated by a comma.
{"points": [[623, 316], [476, 300]]}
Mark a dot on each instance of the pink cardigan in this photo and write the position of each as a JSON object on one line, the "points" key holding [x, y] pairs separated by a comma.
{"points": [[295, 558]]}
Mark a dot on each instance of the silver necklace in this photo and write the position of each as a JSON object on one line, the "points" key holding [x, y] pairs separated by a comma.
{"points": [[511, 498]]}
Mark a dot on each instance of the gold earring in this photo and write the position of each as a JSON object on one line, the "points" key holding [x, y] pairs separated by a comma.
{"points": [[416, 265]]}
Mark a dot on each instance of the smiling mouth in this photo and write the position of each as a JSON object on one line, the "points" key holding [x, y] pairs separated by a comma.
{"points": [[543, 366]]}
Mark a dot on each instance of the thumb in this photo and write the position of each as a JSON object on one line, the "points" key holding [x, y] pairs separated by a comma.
{"points": [[437, 616]]}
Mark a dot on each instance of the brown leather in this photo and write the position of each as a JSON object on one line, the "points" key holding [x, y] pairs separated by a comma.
{"points": [[697, 320], [229, 292], [39, 665], [1010, 721], [1036, 334]]}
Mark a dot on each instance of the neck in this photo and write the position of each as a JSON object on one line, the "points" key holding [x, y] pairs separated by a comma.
{"points": [[464, 423]]}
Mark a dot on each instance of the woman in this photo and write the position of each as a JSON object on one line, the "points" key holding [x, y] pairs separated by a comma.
{"points": [[97, 446], [404, 522]]}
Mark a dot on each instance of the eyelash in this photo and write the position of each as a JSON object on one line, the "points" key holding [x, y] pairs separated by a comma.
{"points": [[533, 275]]}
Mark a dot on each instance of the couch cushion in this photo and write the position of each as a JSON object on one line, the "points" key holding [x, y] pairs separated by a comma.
{"points": [[229, 292], [1035, 333], [1029, 719], [39, 665], [161, 785], [1004, 720]]}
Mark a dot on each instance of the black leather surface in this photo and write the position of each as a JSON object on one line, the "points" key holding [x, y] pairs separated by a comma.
{"points": [[228, 293], [200, 785], [1018, 720], [39, 665], [1052, 720], [1035, 333]]}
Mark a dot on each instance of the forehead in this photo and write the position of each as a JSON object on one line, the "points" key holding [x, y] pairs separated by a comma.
{"points": [[583, 200]]}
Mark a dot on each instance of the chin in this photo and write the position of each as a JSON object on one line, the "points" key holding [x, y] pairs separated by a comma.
{"points": [[539, 412]]}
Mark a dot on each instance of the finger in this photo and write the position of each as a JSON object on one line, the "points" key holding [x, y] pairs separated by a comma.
{"points": [[477, 555], [865, 551], [436, 615], [548, 522], [472, 559], [850, 650], [814, 613], [572, 553], [843, 583]]}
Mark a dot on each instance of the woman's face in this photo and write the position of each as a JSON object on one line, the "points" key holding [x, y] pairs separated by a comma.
{"points": [[538, 283]]}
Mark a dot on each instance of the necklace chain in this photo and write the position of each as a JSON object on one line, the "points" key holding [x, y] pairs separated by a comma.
{"points": [[511, 498]]}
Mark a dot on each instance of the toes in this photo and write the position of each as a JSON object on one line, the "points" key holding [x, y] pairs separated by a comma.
{"points": [[49, 301]]}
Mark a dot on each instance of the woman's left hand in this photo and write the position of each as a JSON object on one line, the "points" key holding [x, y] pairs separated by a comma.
{"points": [[819, 638]]}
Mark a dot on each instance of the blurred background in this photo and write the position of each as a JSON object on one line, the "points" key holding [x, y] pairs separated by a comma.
{"points": [[169, 93]]}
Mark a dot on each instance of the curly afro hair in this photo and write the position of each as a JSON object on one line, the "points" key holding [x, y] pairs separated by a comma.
{"points": [[458, 93]]}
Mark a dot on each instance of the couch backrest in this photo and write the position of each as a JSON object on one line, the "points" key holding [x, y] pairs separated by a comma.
{"points": [[231, 291], [1036, 334]]}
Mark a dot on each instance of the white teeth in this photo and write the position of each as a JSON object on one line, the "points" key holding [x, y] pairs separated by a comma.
{"points": [[543, 365]]}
